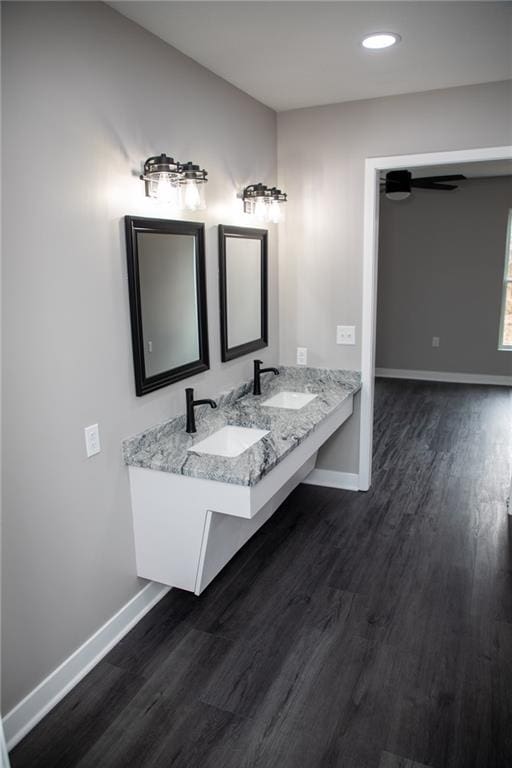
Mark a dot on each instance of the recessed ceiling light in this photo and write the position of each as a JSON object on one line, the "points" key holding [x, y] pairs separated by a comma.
{"points": [[380, 40]]}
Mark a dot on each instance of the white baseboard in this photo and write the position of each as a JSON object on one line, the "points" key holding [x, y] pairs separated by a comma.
{"points": [[30, 710], [446, 376], [3, 749], [330, 478]]}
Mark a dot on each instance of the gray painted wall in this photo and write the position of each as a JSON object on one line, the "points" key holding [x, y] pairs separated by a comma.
{"points": [[441, 263], [88, 96], [321, 154]]}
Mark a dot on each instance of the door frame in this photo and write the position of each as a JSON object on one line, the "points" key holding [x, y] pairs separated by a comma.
{"points": [[373, 167]]}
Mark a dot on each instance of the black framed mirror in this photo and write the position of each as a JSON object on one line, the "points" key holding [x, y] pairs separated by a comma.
{"points": [[243, 282], [167, 288]]}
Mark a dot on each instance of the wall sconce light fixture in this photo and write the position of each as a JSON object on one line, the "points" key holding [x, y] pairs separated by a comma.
{"points": [[264, 203], [180, 185]]}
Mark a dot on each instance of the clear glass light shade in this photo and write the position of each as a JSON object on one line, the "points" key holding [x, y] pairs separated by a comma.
{"points": [[249, 206], [163, 187], [276, 212], [192, 195], [398, 195], [261, 209]]}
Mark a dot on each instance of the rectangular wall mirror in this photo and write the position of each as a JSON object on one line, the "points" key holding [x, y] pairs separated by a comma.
{"points": [[243, 285], [167, 286]]}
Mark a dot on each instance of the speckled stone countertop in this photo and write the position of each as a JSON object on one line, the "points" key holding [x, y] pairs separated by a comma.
{"points": [[166, 446]]}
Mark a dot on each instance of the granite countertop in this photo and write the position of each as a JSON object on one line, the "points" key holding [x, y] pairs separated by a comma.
{"points": [[165, 447]]}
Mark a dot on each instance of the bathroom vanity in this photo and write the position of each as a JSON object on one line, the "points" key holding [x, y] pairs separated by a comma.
{"points": [[197, 499]]}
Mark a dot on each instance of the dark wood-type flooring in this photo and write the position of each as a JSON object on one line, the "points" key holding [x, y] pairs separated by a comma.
{"points": [[355, 630]]}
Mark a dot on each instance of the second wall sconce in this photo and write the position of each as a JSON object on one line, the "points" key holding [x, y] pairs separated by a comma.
{"points": [[180, 185], [264, 203]]}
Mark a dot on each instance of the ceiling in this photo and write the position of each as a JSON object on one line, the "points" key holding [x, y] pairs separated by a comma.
{"points": [[482, 170], [290, 54]]}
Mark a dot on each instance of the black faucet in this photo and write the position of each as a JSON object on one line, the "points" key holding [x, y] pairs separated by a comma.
{"points": [[191, 404], [256, 390]]}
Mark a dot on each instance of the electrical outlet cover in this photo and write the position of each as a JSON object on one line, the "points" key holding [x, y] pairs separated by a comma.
{"points": [[345, 334], [92, 440], [302, 356]]}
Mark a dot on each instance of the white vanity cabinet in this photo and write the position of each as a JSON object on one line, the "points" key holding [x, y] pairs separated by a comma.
{"points": [[186, 528]]}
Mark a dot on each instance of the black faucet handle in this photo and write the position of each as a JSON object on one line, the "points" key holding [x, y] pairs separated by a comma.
{"points": [[191, 404]]}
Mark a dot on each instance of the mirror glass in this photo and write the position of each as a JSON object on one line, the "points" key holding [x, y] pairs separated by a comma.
{"points": [[243, 290], [166, 272]]}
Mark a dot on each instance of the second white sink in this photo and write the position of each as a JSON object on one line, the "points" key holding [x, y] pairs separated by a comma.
{"points": [[229, 441], [293, 400]]}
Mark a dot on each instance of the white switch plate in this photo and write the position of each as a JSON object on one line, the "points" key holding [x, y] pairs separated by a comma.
{"points": [[302, 356], [435, 341], [345, 334], [92, 440]]}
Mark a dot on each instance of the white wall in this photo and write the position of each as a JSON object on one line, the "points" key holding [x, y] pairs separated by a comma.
{"points": [[321, 153], [441, 264], [87, 97]]}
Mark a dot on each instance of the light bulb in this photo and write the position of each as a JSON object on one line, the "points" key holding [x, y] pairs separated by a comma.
{"points": [[261, 209], [380, 40], [191, 196]]}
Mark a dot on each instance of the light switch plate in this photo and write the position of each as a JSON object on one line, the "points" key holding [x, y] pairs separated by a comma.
{"points": [[302, 356], [92, 440], [345, 334], [435, 341]]}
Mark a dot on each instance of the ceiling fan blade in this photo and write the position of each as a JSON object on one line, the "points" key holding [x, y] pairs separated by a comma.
{"points": [[452, 177], [419, 184]]}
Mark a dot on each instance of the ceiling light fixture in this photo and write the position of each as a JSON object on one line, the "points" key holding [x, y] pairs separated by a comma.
{"points": [[180, 185], [398, 185], [380, 40]]}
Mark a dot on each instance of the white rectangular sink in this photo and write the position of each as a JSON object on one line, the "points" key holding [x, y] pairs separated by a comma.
{"points": [[229, 441], [292, 400]]}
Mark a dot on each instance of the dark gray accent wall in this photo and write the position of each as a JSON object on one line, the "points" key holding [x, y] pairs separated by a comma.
{"points": [[441, 263]]}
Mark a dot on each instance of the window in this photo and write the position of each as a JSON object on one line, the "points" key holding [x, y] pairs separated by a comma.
{"points": [[506, 303]]}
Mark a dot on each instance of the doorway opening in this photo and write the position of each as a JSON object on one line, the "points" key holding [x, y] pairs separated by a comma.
{"points": [[374, 170]]}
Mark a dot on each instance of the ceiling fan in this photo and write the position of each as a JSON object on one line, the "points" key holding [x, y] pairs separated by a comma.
{"points": [[397, 185]]}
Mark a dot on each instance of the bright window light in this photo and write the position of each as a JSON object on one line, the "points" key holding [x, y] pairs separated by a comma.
{"points": [[506, 303], [381, 40]]}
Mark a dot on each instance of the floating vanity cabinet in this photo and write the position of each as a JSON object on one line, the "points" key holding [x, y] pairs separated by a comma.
{"points": [[188, 526], [187, 529]]}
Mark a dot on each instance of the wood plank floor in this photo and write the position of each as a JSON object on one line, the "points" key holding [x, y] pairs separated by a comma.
{"points": [[353, 631]]}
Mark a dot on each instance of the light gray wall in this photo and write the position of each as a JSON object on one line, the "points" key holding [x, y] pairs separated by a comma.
{"points": [[87, 97], [441, 264], [321, 154]]}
